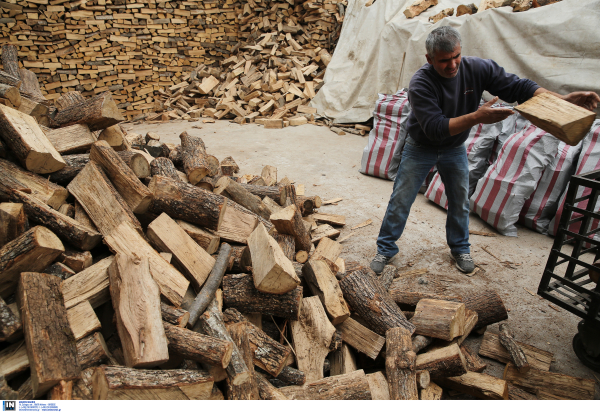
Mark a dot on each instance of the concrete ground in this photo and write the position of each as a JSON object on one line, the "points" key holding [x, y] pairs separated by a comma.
{"points": [[327, 164]]}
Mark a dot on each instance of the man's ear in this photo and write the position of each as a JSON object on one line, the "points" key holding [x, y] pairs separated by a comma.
{"points": [[429, 59]]}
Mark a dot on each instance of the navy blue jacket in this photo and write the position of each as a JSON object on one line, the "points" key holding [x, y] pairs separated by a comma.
{"points": [[434, 100]]}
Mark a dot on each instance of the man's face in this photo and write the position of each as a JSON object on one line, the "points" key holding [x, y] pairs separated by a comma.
{"points": [[446, 64]]}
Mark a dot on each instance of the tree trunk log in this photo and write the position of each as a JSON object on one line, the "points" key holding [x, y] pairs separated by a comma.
{"points": [[68, 99], [488, 305], [361, 338], [474, 362], [447, 361], [92, 351], [30, 87], [13, 222], [400, 365], [289, 222], [98, 112], [423, 379], [198, 347], [175, 316], [71, 139], [241, 195], [516, 353], [267, 391], [366, 296], [11, 94], [247, 390], [164, 167], [351, 386], [9, 79], [74, 164], [196, 163], [207, 240], [492, 348], [479, 385], [175, 156], [420, 342], [439, 319], [287, 245], [274, 192], [136, 162], [10, 323], [10, 61]]}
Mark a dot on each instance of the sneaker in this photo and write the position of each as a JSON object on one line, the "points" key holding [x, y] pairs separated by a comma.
{"points": [[464, 262], [379, 262]]}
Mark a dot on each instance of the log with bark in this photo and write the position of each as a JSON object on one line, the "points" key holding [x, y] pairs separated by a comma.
{"points": [[10, 60], [10, 322], [247, 390], [68, 99], [236, 192], [196, 162], [267, 391], [74, 164], [466, 9], [351, 386], [13, 222], [439, 319], [323, 283], [162, 166], [92, 351], [11, 94], [196, 346], [287, 245], [432, 393], [447, 361], [479, 385], [71, 139], [83, 320], [342, 360], [380, 390], [209, 241], [517, 355], [289, 222], [274, 192], [75, 260], [229, 167], [488, 305], [400, 365], [136, 162], [420, 342], [491, 347], [98, 112], [474, 362], [361, 338]]}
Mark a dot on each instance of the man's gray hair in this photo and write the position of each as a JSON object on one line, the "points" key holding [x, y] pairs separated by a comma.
{"points": [[444, 39]]}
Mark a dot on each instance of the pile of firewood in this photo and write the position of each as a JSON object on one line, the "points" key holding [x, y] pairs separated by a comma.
{"points": [[135, 49]]}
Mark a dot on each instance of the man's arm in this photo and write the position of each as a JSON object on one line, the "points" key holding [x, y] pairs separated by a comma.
{"points": [[485, 114], [587, 100]]}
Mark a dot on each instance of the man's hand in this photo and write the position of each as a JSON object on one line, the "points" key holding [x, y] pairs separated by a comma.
{"points": [[487, 115], [587, 100]]}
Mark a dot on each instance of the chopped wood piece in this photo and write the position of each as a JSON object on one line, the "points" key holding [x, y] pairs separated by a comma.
{"points": [[198, 347], [175, 316], [361, 338], [239, 223], [136, 162], [336, 220], [301, 256], [423, 379], [91, 285], [342, 361], [98, 113], [479, 385], [240, 260], [83, 320], [247, 390], [366, 296], [69, 99], [10, 60], [63, 391], [267, 391], [242, 196], [77, 261], [269, 175], [207, 240], [517, 355], [164, 167], [50, 341], [439, 319], [378, 385], [240, 293], [196, 162], [351, 386], [492, 348], [312, 335], [291, 376], [287, 245], [441, 15], [327, 249], [28, 143], [92, 351], [136, 300], [432, 393], [114, 136], [274, 192], [14, 360], [11, 94], [400, 365], [71, 139], [289, 221], [323, 283], [420, 342], [419, 7], [112, 382], [474, 362], [10, 322], [74, 165], [323, 231], [448, 361], [488, 305], [13, 222], [517, 394], [229, 167]]}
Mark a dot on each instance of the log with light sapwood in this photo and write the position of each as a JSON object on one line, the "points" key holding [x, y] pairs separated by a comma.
{"points": [[28, 143], [72, 139], [92, 351], [402, 296], [50, 342], [287, 245], [419, 7], [301, 256], [13, 222], [351, 386], [466, 9], [188, 257], [272, 271], [247, 390], [323, 283], [240, 293], [336, 220], [517, 394], [118, 383], [11, 94], [136, 162], [380, 390], [77, 261], [516, 353], [492, 348], [14, 360], [64, 227], [63, 391], [365, 294], [433, 392], [447, 361], [68, 210], [74, 164], [420, 342], [439, 319], [136, 195], [187, 202], [289, 192], [387, 276], [214, 279], [361, 338], [229, 167], [91, 285], [174, 316], [83, 320], [521, 5], [8, 184], [10, 60], [98, 112], [312, 334], [9, 322], [38, 111], [239, 223], [164, 167], [492, 4], [488, 305], [274, 192], [9, 79], [557, 384], [423, 379], [336, 341], [289, 222], [83, 388], [327, 249], [267, 391], [291, 376], [471, 319], [82, 217], [479, 385], [34, 250], [562, 119], [240, 195], [136, 300], [342, 361], [196, 162], [30, 87], [268, 354], [207, 240], [269, 175], [68, 99], [114, 136], [211, 323], [474, 362], [400, 365], [198, 347]]}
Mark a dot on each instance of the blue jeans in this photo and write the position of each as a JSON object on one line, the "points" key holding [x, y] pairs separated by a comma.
{"points": [[416, 163]]}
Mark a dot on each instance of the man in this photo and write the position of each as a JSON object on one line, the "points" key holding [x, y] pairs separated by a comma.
{"points": [[444, 95]]}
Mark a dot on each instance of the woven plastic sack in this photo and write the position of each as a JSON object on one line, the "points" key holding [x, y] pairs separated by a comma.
{"points": [[541, 207], [589, 160], [383, 152], [501, 193]]}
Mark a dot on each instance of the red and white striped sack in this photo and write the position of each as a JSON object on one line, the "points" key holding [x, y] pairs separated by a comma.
{"points": [[541, 206], [383, 152], [589, 160], [501, 193]]}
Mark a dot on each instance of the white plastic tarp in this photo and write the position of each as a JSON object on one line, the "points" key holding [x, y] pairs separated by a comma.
{"points": [[379, 49]]}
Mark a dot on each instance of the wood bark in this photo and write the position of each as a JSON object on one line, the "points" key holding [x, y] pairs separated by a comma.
{"points": [[175, 316], [289, 222], [517, 394], [77, 261], [162, 166], [69, 99], [247, 390], [402, 296], [74, 164], [474, 362], [13, 222], [491, 347], [312, 334], [267, 391], [92, 351], [187, 202], [198, 347], [114, 383], [50, 341], [136, 300], [66, 228], [479, 385], [207, 240], [400, 365], [175, 156], [274, 192], [240, 293], [83, 320], [51, 194], [439, 319], [91, 285], [83, 388], [68, 210], [272, 271], [323, 283], [488, 305], [351, 386], [242, 196], [9, 79], [207, 294], [32, 251], [71, 139], [447, 361], [188, 257], [30, 86], [10, 323], [361, 338], [287, 245], [98, 112], [517, 355], [433, 392], [366, 296], [28, 143], [420, 342], [291, 376], [136, 195], [10, 60], [137, 163], [196, 162], [229, 167], [11, 94]]}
